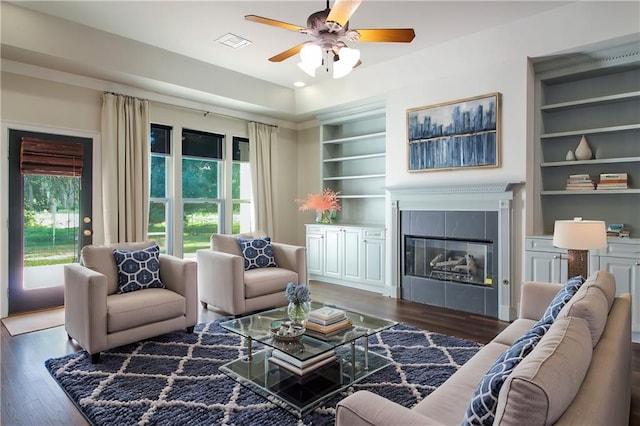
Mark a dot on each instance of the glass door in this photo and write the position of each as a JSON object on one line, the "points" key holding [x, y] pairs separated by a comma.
{"points": [[49, 215]]}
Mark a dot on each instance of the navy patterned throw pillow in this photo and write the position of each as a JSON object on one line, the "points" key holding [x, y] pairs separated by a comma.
{"points": [[483, 404], [561, 298], [257, 253], [482, 408], [138, 269]]}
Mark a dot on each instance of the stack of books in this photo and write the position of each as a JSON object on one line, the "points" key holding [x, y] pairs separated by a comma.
{"points": [[580, 182], [327, 321], [300, 368], [613, 181], [617, 230]]}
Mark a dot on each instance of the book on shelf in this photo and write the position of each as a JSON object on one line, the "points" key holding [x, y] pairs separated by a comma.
{"points": [[613, 176], [327, 329], [327, 313], [302, 371], [605, 186], [572, 186], [580, 182], [299, 363]]}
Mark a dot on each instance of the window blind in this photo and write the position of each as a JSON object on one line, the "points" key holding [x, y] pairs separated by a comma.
{"points": [[46, 157]]}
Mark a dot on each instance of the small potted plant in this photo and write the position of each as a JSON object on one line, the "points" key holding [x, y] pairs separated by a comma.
{"points": [[299, 298], [325, 204]]}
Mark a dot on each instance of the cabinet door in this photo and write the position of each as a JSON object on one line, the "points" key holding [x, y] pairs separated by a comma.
{"points": [[373, 265], [627, 274], [352, 254], [315, 253], [333, 252], [546, 267]]}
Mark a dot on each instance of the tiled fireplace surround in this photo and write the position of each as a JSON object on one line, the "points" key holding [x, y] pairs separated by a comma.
{"points": [[482, 212]]}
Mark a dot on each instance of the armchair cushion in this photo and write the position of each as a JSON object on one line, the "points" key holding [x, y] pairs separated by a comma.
{"points": [[138, 269], [129, 310], [257, 253], [258, 282]]}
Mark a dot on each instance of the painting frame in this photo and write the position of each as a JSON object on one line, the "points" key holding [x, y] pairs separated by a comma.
{"points": [[454, 135]]}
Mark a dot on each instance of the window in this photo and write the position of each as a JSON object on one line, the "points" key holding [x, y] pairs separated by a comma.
{"points": [[159, 201], [202, 155], [241, 186]]}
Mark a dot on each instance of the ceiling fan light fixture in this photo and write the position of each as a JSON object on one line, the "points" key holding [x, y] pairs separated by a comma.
{"points": [[310, 58], [348, 59]]}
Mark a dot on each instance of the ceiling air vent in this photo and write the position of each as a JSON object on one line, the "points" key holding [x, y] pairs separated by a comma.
{"points": [[233, 41]]}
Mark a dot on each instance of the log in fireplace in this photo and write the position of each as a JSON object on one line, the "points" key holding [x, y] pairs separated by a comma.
{"points": [[449, 259]]}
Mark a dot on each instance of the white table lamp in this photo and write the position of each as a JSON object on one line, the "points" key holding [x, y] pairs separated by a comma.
{"points": [[578, 237]]}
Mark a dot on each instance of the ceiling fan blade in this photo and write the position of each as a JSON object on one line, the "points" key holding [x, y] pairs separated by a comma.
{"points": [[273, 22], [287, 53], [342, 10], [396, 35]]}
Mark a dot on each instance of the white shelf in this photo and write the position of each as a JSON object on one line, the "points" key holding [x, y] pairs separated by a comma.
{"points": [[354, 157], [382, 175], [591, 131], [593, 192], [592, 101], [586, 162], [356, 138], [361, 196]]}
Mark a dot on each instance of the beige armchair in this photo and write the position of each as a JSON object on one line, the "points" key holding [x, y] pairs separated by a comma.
{"points": [[223, 282], [100, 318]]}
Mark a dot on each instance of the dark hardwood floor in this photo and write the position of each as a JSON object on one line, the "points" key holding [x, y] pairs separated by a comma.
{"points": [[31, 397]]}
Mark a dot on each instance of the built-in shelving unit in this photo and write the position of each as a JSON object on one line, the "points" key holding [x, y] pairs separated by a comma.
{"points": [[354, 161], [595, 94]]}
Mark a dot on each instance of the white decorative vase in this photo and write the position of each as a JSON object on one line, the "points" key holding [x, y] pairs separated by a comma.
{"points": [[583, 151], [570, 156]]}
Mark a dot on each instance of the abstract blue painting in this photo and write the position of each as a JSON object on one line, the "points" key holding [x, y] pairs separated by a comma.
{"points": [[451, 135]]}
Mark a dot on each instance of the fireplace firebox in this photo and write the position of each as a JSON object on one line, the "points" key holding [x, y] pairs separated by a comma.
{"points": [[444, 259]]}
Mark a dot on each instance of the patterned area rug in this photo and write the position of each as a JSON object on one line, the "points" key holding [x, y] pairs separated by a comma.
{"points": [[174, 379]]}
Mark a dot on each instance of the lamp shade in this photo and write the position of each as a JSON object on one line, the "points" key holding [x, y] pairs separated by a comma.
{"points": [[348, 58], [578, 234], [311, 58]]}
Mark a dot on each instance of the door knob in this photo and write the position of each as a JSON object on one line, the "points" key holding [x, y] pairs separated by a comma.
{"points": [[87, 232]]}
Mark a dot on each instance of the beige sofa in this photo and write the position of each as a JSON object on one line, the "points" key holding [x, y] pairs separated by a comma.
{"points": [[578, 374], [100, 318], [223, 282]]}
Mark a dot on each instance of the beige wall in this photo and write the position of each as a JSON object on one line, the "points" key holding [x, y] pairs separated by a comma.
{"points": [[309, 174], [41, 105]]}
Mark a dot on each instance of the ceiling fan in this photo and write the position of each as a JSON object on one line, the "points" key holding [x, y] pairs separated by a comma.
{"points": [[329, 27]]}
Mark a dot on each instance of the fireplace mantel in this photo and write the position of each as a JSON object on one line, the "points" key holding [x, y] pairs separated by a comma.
{"points": [[485, 197]]}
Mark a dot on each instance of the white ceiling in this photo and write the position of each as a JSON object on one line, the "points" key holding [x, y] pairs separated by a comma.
{"points": [[191, 28]]}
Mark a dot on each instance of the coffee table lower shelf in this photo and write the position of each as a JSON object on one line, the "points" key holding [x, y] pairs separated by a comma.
{"points": [[299, 394]]}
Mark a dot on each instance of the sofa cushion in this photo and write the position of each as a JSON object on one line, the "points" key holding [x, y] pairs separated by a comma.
{"points": [[257, 253], [606, 282], [561, 298], [448, 403], [543, 385], [129, 310], [138, 269], [514, 331], [100, 259], [259, 282], [591, 304], [482, 407]]}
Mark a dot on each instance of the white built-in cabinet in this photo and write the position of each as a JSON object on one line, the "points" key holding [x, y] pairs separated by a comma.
{"points": [[596, 94], [621, 257], [347, 255]]}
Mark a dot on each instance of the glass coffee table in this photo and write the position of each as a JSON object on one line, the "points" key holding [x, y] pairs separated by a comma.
{"points": [[300, 392]]}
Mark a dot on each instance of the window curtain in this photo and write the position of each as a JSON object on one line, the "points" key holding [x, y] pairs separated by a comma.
{"points": [[125, 168], [262, 139]]}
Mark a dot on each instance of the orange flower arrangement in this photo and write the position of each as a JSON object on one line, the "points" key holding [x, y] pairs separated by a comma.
{"points": [[323, 203]]}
